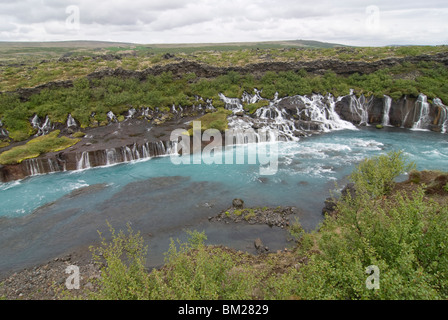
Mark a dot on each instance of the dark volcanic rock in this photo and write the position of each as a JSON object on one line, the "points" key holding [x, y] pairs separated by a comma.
{"points": [[278, 217], [238, 203]]}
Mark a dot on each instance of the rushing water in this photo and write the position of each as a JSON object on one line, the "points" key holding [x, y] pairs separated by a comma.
{"points": [[46, 215]]}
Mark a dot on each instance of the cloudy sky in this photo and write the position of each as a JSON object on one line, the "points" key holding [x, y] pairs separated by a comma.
{"points": [[351, 22]]}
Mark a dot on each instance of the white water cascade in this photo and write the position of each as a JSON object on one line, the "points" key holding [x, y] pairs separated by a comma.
{"points": [[41, 129], [422, 106], [38, 166], [321, 110], [111, 156], [386, 111], [83, 161], [33, 167], [443, 117], [252, 98], [71, 122], [233, 104], [293, 117], [360, 106]]}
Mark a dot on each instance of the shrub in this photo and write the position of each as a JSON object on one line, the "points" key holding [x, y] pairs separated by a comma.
{"points": [[376, 175], [403, 235], [194, 271], [123, 275]]}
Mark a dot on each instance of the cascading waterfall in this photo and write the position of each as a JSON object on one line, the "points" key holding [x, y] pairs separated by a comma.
{"points": [[443, 118], [321, 111], [41, 129], [127, 154], [315, 113], [70, 121], [290, 117], [252, 98], [423, 114], [83, 162], [111, 156], [33, 167], [360, 107], [275, 118], [233, 104], [386, 111], [38, 166], [111, 116], [3, 133]]}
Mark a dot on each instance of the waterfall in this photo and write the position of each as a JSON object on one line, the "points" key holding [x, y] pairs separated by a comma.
{"points": [[233, 104], [273, 118], [70, 121], [131, 113], [51, 167], [135, 152], [145, 152], [443, 118], [111, 117], [252, 98], [127, 154], [321, 110], [3, 133], [360, 107], [386, 111], [83, 162], [292, 117], [41, 129], [423, 118], [33, 167], [111, 156]]}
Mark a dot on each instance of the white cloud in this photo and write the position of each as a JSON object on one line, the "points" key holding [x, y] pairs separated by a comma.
{"points": [[175, 21]]}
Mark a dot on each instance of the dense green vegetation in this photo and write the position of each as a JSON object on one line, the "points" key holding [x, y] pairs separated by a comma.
{"points": [[36, 147], [215, 120], [403, 234], [118, 95]]}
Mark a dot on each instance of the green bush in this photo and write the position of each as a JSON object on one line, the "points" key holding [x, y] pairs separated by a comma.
{"points": [[376, 175], [403, 235], [123, 275]]}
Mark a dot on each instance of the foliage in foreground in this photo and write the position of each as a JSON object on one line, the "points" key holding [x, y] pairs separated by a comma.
{"points": [[404, 235]]}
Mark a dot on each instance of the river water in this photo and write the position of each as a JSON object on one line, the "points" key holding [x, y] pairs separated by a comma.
{"points": [[44, 216]]}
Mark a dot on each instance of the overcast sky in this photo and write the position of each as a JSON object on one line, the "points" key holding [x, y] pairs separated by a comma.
{"points": [[351, 22]]}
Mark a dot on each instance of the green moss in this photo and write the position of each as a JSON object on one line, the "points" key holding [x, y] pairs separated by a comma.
{"points": [[252, 107], [4, 144], [78, 134], [36, 147], [215, 120], [18, 135], [249, 213]]}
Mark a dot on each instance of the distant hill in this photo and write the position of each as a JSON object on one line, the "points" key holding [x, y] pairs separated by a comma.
{"points": [[105, 44]]}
